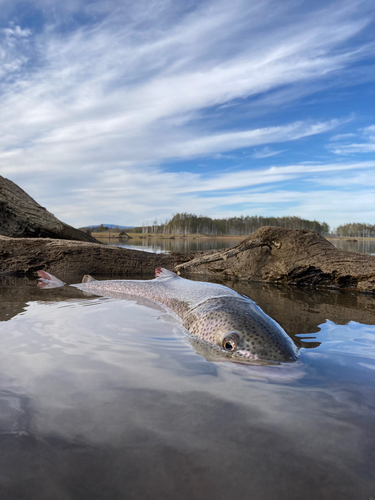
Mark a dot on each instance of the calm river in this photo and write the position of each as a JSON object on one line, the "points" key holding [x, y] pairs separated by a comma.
{"points": [[193, 244], [104, 399]]}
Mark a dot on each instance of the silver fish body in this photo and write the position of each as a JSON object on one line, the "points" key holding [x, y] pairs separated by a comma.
{"points": [[232, 324]]}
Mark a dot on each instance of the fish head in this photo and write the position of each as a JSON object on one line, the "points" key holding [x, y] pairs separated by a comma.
{"points": [[240, 330]]}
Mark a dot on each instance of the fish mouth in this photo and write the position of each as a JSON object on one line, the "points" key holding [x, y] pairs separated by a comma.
{"points": [[246, 354], [247, 358]]}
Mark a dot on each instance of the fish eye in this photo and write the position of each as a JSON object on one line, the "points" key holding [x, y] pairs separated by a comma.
{"points": [[229, 345], [230, 342]]}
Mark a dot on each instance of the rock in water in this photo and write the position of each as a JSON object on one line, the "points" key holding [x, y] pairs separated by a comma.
{"points": [[21, 216]]}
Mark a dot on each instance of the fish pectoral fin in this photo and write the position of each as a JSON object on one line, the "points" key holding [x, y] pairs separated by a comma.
{"points": [[87, 278], [47, 280], [161, 272]]}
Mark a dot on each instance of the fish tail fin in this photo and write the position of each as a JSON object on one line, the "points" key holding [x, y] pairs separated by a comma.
{"points": [[87, 278], [47, 280], [161, 272]]}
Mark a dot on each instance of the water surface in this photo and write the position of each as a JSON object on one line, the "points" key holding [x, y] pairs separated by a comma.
{"points": [[178, 244], [363, 245], [107, 399], [190, 243]]}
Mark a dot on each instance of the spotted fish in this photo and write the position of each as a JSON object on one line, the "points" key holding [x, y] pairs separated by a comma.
{"points": [[232, 324]]}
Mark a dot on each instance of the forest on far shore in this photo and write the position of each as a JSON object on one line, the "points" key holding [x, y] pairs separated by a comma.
{"points": [[186, 223], [356, 229]]}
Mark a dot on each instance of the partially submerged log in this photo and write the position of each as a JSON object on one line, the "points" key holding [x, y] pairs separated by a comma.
{"points": [[75, 258], [277, 255], [21, 216]]}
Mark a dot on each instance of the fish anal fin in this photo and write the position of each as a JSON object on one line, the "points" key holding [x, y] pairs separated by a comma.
{"points": [[161, 272], [87, 278]]}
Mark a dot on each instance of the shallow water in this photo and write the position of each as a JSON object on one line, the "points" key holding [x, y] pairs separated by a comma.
{"points": [[166, 245], [188, 244], [366, 245], [107, 399]]}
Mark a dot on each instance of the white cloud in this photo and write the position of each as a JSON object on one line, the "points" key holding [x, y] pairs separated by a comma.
{"points": [[352, 179], [367, 146], [355, 148], [12, 50], [16, 31], [339, 137], [266, 152]]}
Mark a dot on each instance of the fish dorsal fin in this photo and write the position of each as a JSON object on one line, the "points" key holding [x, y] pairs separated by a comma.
{"points": [[87, 278], [161, 273]]}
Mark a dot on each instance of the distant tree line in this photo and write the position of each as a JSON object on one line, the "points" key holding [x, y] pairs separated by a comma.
{"points": [[186, 223], [356, 229]]}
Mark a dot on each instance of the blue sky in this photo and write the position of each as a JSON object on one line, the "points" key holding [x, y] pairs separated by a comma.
{"points": [[123, 112]]}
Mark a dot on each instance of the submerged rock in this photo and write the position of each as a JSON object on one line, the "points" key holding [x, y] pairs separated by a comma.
{"points": [[21, 216]]}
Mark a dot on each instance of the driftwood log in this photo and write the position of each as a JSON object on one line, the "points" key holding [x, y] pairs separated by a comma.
{"points": [[297, 257], [74, 258]]}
